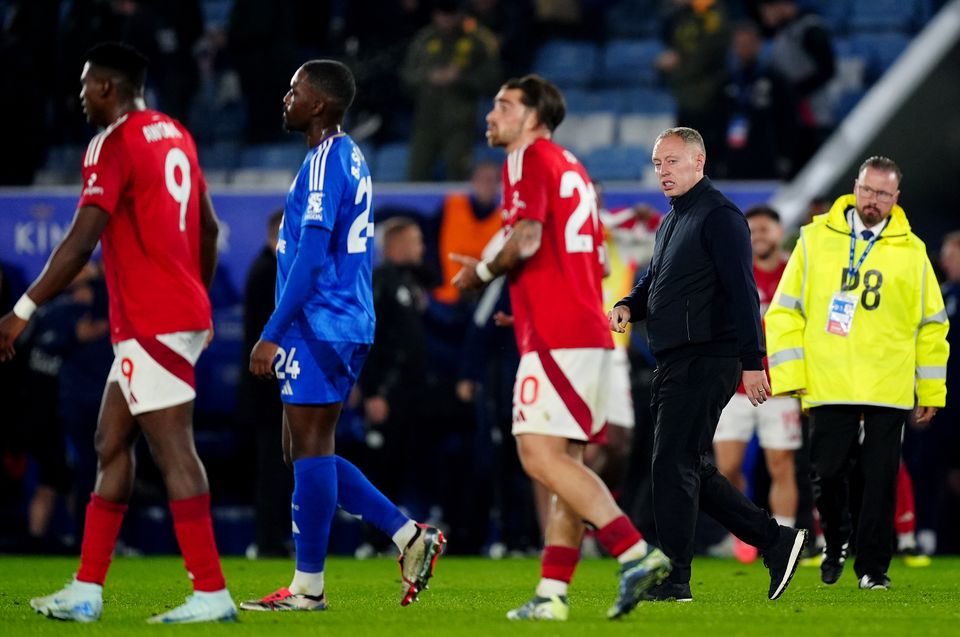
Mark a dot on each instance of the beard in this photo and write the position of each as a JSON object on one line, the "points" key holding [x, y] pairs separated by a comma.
{"points": [[870, 215]]}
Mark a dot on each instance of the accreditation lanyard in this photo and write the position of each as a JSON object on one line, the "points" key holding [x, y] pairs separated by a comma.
{"points": [[852, 271]]}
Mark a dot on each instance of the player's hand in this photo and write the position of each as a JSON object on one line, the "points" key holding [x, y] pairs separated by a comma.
{"points": [[11, 326], [261, 359], [923, 415], [756, 385], [466, 278], [619, 317], [377, 409], [502, 319]]}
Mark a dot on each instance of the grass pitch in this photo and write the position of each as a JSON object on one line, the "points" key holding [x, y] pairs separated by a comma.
{"points": [[470, 596]]}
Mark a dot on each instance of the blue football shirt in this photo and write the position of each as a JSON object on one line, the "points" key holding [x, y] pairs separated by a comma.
{"points": [[333, 191]]}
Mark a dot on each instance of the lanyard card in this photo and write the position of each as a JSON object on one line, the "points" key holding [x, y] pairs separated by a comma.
{"points": [[840, 316]]}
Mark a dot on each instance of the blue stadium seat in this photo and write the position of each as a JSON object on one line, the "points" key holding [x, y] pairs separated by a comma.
{"points": [[219, 156], [391, 163], [836, 13], [617, 163], [648, 101], [216, 13], [633, 19], [880, 51], [483, 153], [905, 16], [631, 62], [273, 156], [593, 100], [845, 103], [567, 63]]}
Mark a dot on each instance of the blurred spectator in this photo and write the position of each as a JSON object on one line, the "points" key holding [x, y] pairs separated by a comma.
{"points": [[262, 44], [760, 114], [25, 56], [166, 32], [802, 52], [933, 453], [697, 38], [392, 381], [487, 375], [376, 35], [450, 65], [81, 338], [511, 22], [259, 408], [465, 223]]}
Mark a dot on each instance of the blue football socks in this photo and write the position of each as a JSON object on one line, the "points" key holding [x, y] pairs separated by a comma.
{"points": [[358, 496], [314, 503]]}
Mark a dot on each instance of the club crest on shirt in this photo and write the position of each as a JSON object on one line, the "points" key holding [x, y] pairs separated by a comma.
{"points": [[314, 207]]}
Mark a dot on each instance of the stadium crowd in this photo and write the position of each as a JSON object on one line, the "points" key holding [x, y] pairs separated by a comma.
{"points": [[435, 397]]}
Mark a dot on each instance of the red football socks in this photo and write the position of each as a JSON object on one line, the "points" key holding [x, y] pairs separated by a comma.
{"points": [[559, 563], [100, 531], [194, 530], [619, 535]]}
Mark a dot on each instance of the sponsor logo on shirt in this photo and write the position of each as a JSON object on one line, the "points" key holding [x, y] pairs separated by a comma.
{"points": [[91, 189], [282, 246], [314, 207]]}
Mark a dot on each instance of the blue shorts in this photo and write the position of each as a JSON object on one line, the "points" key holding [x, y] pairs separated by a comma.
{"points": [[318, 372]]}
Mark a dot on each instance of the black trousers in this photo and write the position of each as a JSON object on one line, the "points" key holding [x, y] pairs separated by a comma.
{"points": [[836, 451], [688, 396]]}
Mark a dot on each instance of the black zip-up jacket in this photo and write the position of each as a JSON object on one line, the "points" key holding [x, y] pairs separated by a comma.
{"points": [[699, 296]]}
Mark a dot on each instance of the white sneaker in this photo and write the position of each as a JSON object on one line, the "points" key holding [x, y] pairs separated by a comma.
{"points": [[200, 607], [77, 601]]}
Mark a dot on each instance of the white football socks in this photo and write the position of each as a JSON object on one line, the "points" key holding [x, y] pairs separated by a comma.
{"points": [[307, 583], [635, 552], [403, 536]]}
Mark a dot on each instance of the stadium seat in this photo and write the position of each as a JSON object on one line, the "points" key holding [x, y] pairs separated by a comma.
{"points": [[880, 51], [64, 161], [391, 163], [836, 13], [219, 156], [567, 63], [581, 100], [845, 102], [273, 156], [263, 178], [617, 163], [905, 16], [648, 101], [631, 62], [642, 129], [583, 133], [216, 13], [631, 19]]}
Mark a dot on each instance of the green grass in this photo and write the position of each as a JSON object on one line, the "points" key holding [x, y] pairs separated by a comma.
{"points": [[470, 596]]}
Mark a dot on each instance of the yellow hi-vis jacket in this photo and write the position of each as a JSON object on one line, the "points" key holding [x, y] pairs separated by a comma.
{"points": [[896, 350]]}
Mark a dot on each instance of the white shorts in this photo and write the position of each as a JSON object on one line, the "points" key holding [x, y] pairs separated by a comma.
{"points": [[562, 392], [777, 422], [156, 372], [620, 401]]}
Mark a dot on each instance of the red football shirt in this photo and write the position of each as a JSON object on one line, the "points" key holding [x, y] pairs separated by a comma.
{"points": [[556, 296], [767, 283], [143, 171]]}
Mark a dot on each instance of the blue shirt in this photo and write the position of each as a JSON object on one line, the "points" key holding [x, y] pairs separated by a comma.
{"points": [[331, 194]]}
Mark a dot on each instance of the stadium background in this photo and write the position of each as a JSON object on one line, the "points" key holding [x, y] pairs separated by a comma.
{"points": [[602, 57]]}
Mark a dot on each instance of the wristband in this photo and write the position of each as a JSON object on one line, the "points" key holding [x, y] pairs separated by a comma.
{"points": [[24, 308], [483, 272]]}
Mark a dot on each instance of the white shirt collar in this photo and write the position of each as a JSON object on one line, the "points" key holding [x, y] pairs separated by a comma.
{"points": [[856, 224]]}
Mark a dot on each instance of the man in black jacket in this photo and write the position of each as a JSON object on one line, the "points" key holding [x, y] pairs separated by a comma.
{"points": [[703, 321]]}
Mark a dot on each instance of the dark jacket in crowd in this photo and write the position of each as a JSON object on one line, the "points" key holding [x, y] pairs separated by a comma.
{"points": [[699, 296]]}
